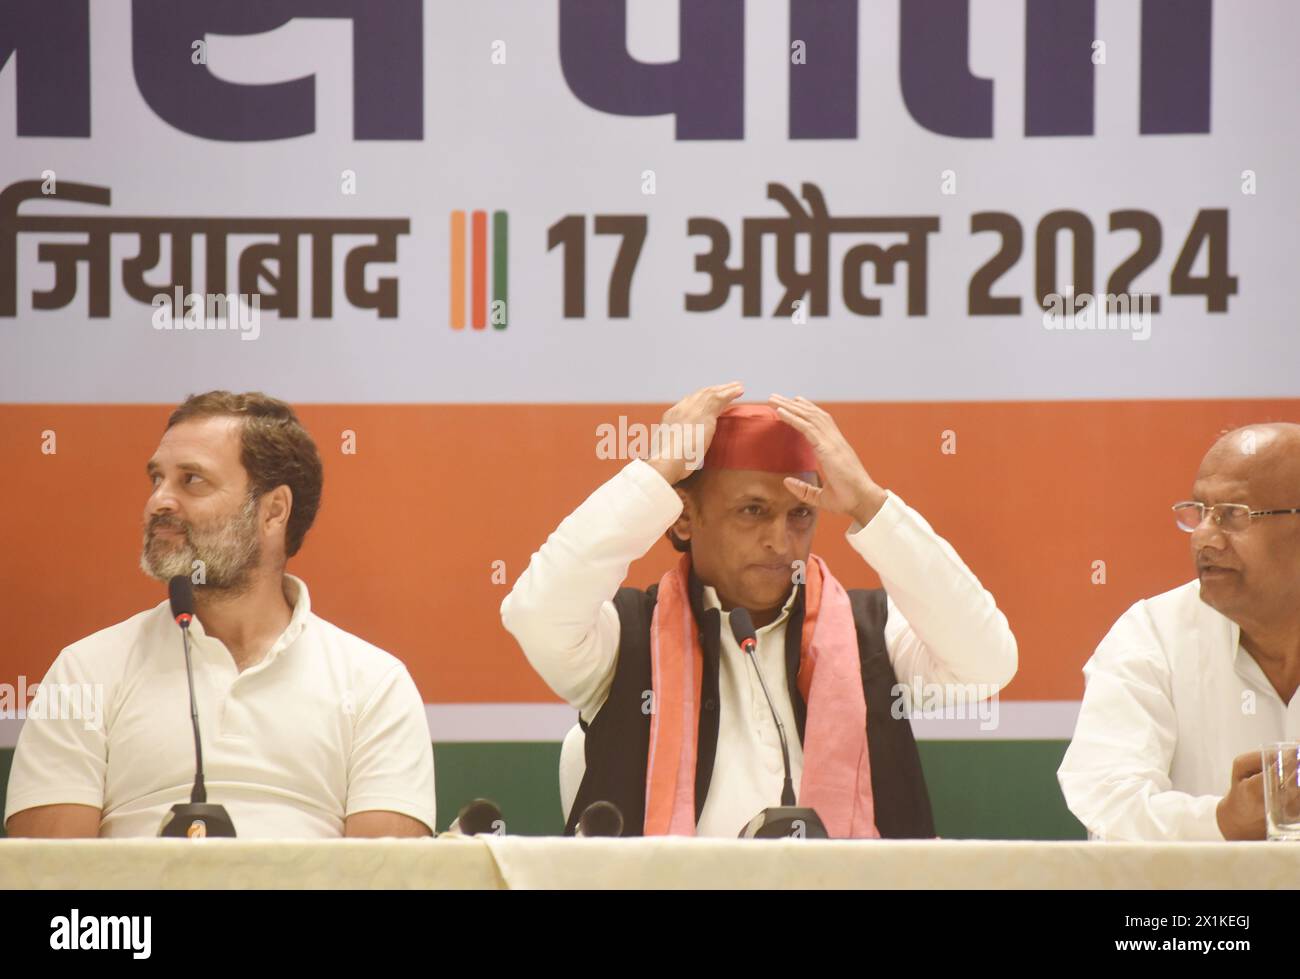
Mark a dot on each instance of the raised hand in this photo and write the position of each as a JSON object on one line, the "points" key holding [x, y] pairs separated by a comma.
{"points": [[847, 488], [690, 425]]}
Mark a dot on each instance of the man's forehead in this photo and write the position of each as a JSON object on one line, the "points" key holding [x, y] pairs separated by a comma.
{"points": [[1257, 458], [745, 483], [215, 439], [1214, 487]]}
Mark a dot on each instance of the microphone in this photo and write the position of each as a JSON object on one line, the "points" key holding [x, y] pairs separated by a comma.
{"points": [[479, 816], [180, 592], [742, 629], [198, 818], [600, 819], [787, 819]]}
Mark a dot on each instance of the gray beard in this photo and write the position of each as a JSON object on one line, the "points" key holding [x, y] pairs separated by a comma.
{"points": [[229, 553]]}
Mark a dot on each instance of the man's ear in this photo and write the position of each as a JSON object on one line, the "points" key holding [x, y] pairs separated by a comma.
{"points": [[276, 507], [682, 527]]}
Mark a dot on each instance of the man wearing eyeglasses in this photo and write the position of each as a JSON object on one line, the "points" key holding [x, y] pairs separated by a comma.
{"points": [[1189, 685]]}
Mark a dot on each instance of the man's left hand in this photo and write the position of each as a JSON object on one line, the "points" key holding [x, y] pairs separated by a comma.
{"points": [[848, 488]]}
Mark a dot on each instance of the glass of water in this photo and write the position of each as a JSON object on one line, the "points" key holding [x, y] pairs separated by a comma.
{"points": [[1282, 790]]}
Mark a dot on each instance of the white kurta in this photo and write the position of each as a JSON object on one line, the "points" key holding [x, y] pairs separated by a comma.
{"points": [[942, 627], [326, 725], [1171, 699]]}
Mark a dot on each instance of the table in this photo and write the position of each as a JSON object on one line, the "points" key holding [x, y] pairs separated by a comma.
{"points": [[549, 862]]}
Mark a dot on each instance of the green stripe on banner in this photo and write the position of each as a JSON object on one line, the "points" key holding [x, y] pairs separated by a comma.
{"points": [[998, 790], [979, 789], [993, 790], [500, 266], [522, 777]]}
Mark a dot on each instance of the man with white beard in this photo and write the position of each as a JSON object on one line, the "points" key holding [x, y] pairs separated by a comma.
{"points": [[307, 731]]}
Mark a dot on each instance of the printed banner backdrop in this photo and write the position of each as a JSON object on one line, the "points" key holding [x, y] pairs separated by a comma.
{"points": [[1033, 255]]}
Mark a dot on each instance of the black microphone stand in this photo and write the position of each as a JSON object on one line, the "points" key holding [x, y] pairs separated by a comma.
{"points": [[787, 820], [198, 818]]}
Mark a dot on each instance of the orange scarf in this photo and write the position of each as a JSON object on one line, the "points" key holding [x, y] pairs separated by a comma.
{"points": [[836, 779]]}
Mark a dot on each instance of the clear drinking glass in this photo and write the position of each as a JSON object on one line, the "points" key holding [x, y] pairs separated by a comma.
{"points": [[1282, 790]]}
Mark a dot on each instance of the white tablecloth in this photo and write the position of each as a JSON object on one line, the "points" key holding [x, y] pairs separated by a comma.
{"points": [[527, 862]]}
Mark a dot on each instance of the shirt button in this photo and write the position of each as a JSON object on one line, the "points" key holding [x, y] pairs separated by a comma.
{"points": [[710, 704]]}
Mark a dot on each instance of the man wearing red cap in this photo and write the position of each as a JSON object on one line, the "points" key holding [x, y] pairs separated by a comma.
{"points": [[678, 730]]}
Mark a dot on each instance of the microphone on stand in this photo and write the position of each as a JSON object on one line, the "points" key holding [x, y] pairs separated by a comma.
{"points": [[198, 818], [479, 816], [787, 819], [600, 819]]}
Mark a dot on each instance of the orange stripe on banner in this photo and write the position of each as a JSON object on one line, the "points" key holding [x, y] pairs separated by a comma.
{"points": [[404, 550], [458, 270], [480, 270]]}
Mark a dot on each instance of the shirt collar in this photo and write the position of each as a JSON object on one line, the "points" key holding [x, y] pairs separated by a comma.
{"points": [[711, 601], [1215, 630], [295, 593]]}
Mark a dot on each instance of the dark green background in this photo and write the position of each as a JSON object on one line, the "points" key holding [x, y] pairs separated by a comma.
{"points": [[994, 790]]}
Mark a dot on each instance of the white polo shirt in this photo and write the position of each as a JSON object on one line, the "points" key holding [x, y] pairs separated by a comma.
{"points": [[326, 725]]}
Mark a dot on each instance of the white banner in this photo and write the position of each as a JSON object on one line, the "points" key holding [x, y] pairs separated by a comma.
{"points": [[985, 169]]}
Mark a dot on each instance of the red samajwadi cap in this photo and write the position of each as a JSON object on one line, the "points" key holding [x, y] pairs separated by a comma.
{"points": [[755, 437]]}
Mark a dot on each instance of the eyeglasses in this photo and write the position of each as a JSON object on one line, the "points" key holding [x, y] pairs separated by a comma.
{"points": [[1231, 518]]}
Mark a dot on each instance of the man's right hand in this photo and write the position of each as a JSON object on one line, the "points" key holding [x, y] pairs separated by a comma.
{"points": [[1241, 812], [687, 429]]}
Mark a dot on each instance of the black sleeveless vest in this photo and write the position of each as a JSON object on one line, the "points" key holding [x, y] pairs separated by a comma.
{"points": [[618, 740]]}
